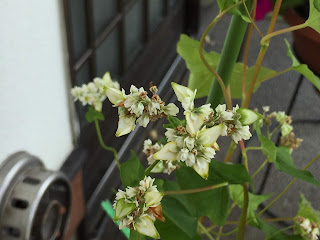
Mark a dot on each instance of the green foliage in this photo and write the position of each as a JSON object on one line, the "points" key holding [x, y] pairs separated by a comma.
{"points": [[273, 233], [314, 15], [213, 203], [201, 78], [174, 122], [131, 171], [307, 211], [303, 68], [248, 116], [268, 147], [240, 10], [284, 163], [92, 115], [236, 194], [228, 172], [134, 235], [181, 217]]}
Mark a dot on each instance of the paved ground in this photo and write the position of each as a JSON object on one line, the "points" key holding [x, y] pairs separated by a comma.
{"points": [[278, 93]]}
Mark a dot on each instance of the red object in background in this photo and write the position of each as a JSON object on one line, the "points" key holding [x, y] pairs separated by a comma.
{"points": [[263, 7]]}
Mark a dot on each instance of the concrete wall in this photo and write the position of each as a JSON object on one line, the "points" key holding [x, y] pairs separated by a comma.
{"points": [[34, 112]]}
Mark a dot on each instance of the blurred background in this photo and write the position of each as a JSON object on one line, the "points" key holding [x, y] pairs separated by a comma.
{"points": [[47, 47]]}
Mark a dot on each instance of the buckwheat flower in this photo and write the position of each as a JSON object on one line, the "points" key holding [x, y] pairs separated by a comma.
{"points": [[184, 95], [194, 122], [171, 109], [126, 125], [266, 108], [315, 233], [222, 113], [138, 207], [306, 225], [281, 117], [143, 120], [286, 129]]}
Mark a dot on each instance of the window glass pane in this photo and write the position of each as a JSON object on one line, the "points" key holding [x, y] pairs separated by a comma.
{"points": [[79, 29], [156, 9], [133, 30], [103, 11], [108, 55]]}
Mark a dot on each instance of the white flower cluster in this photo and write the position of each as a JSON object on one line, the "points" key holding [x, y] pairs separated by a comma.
{"points": [[94, 93], [137, 208], [232, 124], [195, 141], [138, 107], [163, 166], [284, 120], [311, 229]]}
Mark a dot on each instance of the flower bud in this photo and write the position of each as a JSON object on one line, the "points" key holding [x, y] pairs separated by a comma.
{"points": [[168, 152], [248, 116]]}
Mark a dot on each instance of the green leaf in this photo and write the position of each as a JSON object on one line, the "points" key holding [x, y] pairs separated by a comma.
{"points": [[307, 211], [175, 211], [159, 183], [273, 233], [240, 10], [248, 116], [134, 235], [229, 172], [131, 171], [268, 147], [123, 209], [284, 163], [217, 199], [303, 68], [201, 78], [173, 122], [169, 231], [236, 194], [93, 115], [314, 15]]}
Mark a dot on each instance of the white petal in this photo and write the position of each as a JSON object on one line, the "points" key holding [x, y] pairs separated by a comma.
{"points": [[168, 152], [171, 109], [145, 226], [115, 96], [209, 136], [202, 171], [185, 95], [126, 125], [153, 198], [286, 129], [194, 123]]}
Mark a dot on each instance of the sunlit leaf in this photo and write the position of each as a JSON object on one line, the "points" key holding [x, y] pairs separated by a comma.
{"points": [[307, 211], [131, 171], [92, 115], [268, 147], [314, 15]]}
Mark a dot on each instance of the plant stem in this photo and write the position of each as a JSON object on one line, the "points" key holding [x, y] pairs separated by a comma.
{"points": [[243, 217], [103, 145], [195, 190], [277, 74], [222, 85], [229, 54], [246, 52], [148, 170], [220, 232], [203, 228], [281, 230], [253, 16], [262, 52], [230, 152], [266, 220], [252, 148], [287, 187], [267, 37], [259, 169]]}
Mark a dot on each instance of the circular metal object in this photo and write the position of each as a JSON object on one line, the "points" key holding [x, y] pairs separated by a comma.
{"points": [[35, 203]]}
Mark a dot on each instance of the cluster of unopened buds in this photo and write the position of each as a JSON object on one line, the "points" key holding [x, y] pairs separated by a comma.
{"points": [[138, 207], [310, 230], [287, 136]]}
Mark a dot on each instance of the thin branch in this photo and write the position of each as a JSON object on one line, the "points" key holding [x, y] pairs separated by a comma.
{"points": [[195, 190]]}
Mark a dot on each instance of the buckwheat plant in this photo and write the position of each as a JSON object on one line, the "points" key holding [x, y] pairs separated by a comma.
{"points": [[206, 190]]}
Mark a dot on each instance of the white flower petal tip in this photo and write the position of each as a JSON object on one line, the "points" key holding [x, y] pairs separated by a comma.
{"points": [[194, 123], [115, 96], [126, 125], [145, 226], [248, 116], [171, 109], [209, 136], [122, 209], [185, 95], [203, 172], [168, 152]]}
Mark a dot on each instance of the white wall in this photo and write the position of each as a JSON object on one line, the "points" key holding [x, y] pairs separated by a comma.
{"points": [[34, 113]]}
